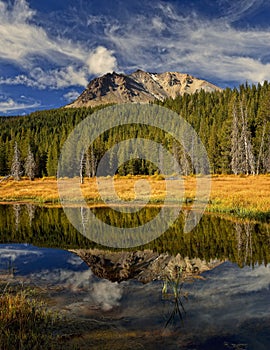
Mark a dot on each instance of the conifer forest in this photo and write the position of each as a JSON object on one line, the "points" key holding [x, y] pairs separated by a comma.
{"points": [[233, 124]]}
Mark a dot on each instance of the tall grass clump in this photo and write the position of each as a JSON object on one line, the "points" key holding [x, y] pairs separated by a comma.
{"points": [[175, 284], [25, 323]]}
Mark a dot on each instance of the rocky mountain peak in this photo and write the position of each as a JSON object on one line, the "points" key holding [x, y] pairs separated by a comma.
{"points": [[144, 266], [139, 86]]}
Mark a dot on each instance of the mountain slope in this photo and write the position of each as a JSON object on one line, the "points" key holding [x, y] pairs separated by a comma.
{"points": [[139, 86]]}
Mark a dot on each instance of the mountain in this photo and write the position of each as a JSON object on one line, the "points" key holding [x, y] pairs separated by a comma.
{"points": [[139, 86], [144, 266]]}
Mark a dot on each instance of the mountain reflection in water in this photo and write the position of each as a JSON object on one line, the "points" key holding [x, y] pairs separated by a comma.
{"points": [[219, 272]]}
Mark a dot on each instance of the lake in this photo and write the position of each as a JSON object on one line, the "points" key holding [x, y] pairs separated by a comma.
{"points": [[207, 289]]}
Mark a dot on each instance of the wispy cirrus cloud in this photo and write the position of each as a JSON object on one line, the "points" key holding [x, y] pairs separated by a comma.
{"points": [[25, 44], [234, 10], [21, 40], [13, 254], [208, 47], [10, 105], [158, 36], [53, 79], [71, 95]]}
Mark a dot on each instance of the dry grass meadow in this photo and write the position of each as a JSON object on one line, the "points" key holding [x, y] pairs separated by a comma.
{"points": [[229, 194]]}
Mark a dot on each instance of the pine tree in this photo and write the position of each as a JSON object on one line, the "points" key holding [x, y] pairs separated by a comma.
{"points": [[52, 160], [3, 159], [236, 146], [263, 129]]}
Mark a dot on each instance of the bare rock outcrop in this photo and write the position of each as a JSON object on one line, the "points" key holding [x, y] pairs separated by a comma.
{"points": [[140, 87], [144, 266]]}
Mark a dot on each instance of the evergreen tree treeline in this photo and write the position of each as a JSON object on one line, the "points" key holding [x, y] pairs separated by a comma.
{"points": [[234, 126]]}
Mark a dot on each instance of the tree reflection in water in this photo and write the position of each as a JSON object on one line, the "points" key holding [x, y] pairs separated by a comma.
{"points": [[240, 241]]}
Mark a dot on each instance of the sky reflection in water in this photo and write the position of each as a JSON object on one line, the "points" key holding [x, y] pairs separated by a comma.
{"points": [[231, 304]]}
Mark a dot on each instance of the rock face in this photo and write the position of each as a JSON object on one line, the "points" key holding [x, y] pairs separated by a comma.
{"points": [[140, 87], [145, 266]]}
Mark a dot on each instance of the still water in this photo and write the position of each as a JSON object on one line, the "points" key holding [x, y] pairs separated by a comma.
{"points": [[208, 289]]}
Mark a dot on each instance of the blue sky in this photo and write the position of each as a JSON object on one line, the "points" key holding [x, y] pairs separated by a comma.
{"points": [[50, 50]]}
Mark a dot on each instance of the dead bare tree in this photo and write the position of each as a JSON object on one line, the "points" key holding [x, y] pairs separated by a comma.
{"points": [[93, 161], [87, 165], [30, 165], [17, 213], [243, 160], [5, 178], [246, 139], [16, 171], [31, 209], [82, 166]]}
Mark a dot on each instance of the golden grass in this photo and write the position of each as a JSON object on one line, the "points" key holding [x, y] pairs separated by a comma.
{"points": [[25, 322], [40, 190], [229, 193]]}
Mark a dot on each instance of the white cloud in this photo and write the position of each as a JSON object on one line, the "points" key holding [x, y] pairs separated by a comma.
{"points": [[21, 12], [71, 95], [231, 296], [21, 40], [102, 293], [73, 280], [101, 61], [24, 43], [158, 24], [235, 281], [74, 260], [13, 254], [210, 48], [53, 79], [11, 105], [107, 294], [233, 10], [58, 78]]}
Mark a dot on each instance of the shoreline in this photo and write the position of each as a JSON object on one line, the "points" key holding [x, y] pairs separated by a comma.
{"points": [[237, 196]]}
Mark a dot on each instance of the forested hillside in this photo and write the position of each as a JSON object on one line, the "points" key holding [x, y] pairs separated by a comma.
{"points": [[234, 126]]}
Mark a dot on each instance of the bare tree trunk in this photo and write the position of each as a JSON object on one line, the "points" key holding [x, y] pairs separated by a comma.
{"points": [[17, 212], [30, 165], [238, 229], [82, 163], [87, 165], [249, 157], [5, 178], [31, 209], [93, 161], [249, 248], [16, 164], [84, 219]]}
